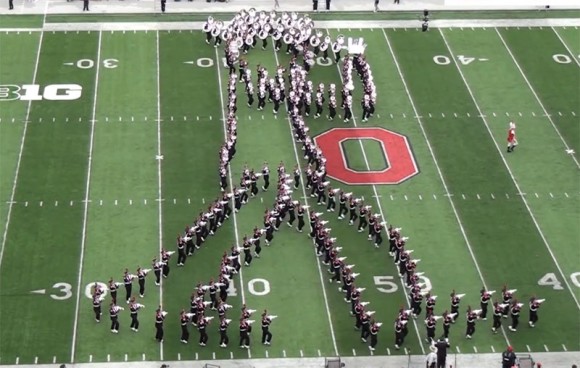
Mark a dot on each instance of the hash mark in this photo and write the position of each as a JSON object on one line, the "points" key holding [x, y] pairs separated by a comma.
{"points": [[267, 355], [178, 356], [391, 116], [463, 196], [231, 355], [520, 114], [26, 204], [116, 202], [120, 118], [392, 199], [388, 351], [171, 118], [213, 355], [430, 115], [90, 358], [573, 113], [108, 357], [71, 203], [143, 356], [458, 351], [404, 115], [101, 202], [196, 356], [507, 113], [420, 197], [174, 201], [537, 196], [546, 347], [35, 360], [564, 347], [442, 115], [406, 197], [210, 117], [475, 349], [406, 351], [145, 201], [507, 196], [197, 118], [249, 117], [55, 203], [203, 200], [492, 349], [42, 203], [494, 115], [455, 114], [492, 196], [353, 352], [533, 113], [566, 194], [17, 360], [319, 353], [284, 353], [478, 197], [468, 115], [130, 202], [188, 201], [551, 195], [559, 113], [54, 359], [434, 196], [126, 357], [132, 118]]}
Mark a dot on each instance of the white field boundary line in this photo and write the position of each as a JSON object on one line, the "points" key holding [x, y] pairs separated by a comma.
{"points": [[440, 172], [572, 55], [536, 95], [20, 152], [235, 217], [159, 181], [322, 283], [86, 202], [376, 196], [500, 152], [411, 24]]}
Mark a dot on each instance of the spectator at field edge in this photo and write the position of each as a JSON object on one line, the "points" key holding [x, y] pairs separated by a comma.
{"points": [[508, 358]]}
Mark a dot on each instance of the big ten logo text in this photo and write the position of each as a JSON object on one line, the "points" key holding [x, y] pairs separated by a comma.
{"points": [[35, 92]]}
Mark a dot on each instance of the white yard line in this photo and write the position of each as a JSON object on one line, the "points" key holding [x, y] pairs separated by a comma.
{"points": [[536, 95], [20, 151], [86, 201], [235, 217], [376, 196], [500, 152], [439, 171], [159, 187], [322, 283], [572, 54]]}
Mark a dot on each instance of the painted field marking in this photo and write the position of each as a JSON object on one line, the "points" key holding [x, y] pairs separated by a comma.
{"points": [[443, 182], [17, 360], [388, 351], [500, 152], [108, 357], [196, 356], [546, 347], [126, 357], [267, 355], [213, 355], [319, 353], [231, 355], [475, 349], [143, 357], [566, 47], [564, 347], [90, 358], [86, 206], [458, 351], [492, 349], [536, 95], [322, 283], [159, 181], [35, 360], [178, 356], [235, 217], [353, 352], [528, 347], [301, 353], [284, 353]]}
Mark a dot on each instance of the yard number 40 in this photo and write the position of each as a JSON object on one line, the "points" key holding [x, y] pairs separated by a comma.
{"points": [[550, 279]]}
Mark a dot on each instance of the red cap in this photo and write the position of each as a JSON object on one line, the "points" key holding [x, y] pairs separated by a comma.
{"points": [[510, 348]]}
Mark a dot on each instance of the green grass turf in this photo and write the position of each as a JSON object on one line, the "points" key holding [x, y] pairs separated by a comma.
{"points": [[119, 233]]}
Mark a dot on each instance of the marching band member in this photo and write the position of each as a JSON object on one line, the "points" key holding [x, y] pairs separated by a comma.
{"points": [[497, 314], [348, 109], [97, 300], [207, 29], [374, 330], [266, 176], [223, 329], [263, 34], [472, 316], [277, 36], [134, 309], [202, 323], [507, 296], [336, 47], [244, 334], [515, 314], [114, 314], [266, 334], [366, 107], [159, 318], [534, 306], [157, 268], [324, 47], [113, 286], [484, 299], [319, 103], [455, 299], [511, 139], [430, 324], [128, 282], [216, 33], [184, 319], [165, 255], [447, 321], [315, 41], [141, 274], [181, 255]]}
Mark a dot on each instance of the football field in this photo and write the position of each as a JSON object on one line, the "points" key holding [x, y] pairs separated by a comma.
{"points": [[109, 144]]}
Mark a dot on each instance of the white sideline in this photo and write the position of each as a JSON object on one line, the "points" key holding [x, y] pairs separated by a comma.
{"points": [[487, 360], [342, 24]]}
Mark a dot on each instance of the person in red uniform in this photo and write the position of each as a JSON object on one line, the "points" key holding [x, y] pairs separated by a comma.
{"points": [[512, 141]]}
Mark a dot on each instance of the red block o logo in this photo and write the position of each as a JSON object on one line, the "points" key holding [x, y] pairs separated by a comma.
{"points": [[397, 151]]}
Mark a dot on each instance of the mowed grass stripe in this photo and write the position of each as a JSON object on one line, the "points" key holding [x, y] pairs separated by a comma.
{"points": [[16, 67], [190, 168], [554, 77], [56, 231], [126, 152], [470, 163], [437, 216], [542, 239], [541, 145], [289, 264]]}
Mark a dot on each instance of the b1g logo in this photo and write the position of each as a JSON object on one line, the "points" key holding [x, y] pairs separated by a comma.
{"points": [[32, 92], [397, 153]]}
